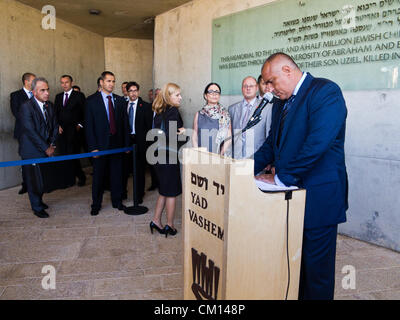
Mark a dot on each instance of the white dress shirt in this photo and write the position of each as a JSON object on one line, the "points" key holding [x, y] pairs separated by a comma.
{"points": [[41, 106], [65, 96], [28, 93]]}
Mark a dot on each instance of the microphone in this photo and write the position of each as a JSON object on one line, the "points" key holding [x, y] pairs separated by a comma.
{"points": [[256, 117]]}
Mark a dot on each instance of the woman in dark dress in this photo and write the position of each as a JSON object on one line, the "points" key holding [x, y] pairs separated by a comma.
{"points": [[170, 186]]}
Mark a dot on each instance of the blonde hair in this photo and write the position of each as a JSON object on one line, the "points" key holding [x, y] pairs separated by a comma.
{"points": [[163, 99]]}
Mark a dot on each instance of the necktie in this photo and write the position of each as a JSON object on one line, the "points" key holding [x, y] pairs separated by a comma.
{"points": [[30, 94], [246, 115], [46, 115], [285, 111], [113, 129], [66, 99], [131, 117]]}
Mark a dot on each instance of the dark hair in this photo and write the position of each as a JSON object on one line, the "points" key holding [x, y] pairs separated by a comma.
{"points": [[125, 82], [132, 84], [209, 85], [76, 87], [106, 73], [98, 82], [26, 76], [67, 76], [259, 79]]}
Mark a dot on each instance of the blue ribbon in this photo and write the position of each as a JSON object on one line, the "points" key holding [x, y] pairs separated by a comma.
{"points": [[62, 158]]}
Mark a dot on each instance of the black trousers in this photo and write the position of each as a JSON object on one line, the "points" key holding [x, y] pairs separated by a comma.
{"points": [[140, 168], [69, 142], [34, 185], [317, 273], [110, 165]]}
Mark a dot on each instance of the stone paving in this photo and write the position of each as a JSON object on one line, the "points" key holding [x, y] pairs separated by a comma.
{"points": [[114, 256]]}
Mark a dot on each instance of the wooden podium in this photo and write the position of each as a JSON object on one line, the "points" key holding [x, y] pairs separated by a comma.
{"points": [[235, 236]]}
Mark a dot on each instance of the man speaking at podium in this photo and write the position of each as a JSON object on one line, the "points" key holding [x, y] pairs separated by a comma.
{"points": [[305, 148]]}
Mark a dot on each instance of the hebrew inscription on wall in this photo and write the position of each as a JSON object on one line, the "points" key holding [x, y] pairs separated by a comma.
{"points": [[354, 43]]}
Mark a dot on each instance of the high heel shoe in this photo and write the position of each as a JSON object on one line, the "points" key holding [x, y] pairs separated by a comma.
{"points": [[154, 226], [170, 230]]}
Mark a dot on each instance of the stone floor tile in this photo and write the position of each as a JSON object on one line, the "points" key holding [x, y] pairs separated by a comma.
{"points": [[68, 233], [36, 291], [386, 295], [120, 230], [126, 285], [172, 281], [37, 251], [174, 294], [17, 273]]}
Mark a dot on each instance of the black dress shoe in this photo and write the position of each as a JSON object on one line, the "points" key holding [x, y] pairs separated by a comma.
{"points": [[120, 207], [154, 226], [41, 214], [22, 190], [94, 212], [169, 230], [45, 206]]}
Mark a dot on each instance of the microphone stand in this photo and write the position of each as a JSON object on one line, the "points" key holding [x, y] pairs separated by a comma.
{"points": [[252, 122], [136, 209]]}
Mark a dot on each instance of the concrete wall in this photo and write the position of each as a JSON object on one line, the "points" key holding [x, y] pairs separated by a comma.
{"points": [[25, 46], [130, 60], [182, 54]]}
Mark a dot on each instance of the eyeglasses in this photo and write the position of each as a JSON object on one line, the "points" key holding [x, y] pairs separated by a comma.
{"points": [[132, 91], [248, 87], [213, 92]]}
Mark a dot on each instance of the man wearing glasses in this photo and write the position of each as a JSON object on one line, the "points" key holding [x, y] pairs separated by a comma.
{"points": [[246, 144], [140, 117]]}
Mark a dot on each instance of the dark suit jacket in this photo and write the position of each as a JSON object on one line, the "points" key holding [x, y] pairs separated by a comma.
{"points": [[143, 121], [97, 125], [35, 137], [311, 150], [17, 98], [73, 112]]}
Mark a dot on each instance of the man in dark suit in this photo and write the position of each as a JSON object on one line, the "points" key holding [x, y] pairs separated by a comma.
{"points": [[140, 116], [17, 98], [70, 114], [305, 148], [106, 125], [37, 138]]}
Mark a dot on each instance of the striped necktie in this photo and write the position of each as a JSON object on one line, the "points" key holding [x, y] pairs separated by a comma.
{"points": [[284, 114], [131, 117]]}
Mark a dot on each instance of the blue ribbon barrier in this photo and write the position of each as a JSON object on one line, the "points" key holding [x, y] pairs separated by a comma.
{"points": [[62, 158]]}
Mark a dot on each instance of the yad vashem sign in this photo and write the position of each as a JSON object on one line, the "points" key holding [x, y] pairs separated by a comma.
{"points": [[355, 43]]}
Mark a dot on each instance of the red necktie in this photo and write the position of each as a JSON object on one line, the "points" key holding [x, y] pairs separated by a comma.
{"points": [[113, 129]]}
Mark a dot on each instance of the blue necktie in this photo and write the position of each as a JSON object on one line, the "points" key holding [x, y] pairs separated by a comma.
{"points": [[284, 114], [131, 116]]}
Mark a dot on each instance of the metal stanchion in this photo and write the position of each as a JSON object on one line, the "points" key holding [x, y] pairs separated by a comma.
{"points": [[136, 210]]}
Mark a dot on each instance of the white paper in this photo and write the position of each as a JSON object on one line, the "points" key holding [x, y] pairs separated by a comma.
{"points": [[264, 186]]}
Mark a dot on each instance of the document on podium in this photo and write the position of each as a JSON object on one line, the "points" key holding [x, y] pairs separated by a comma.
{"points": [[264, 186]]}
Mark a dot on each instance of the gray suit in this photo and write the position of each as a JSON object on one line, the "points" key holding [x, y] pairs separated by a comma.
{"points": [[245, 146]]}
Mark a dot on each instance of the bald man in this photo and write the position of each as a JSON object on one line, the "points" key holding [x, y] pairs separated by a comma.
{"points": [[246, 144], [306, 149]]}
